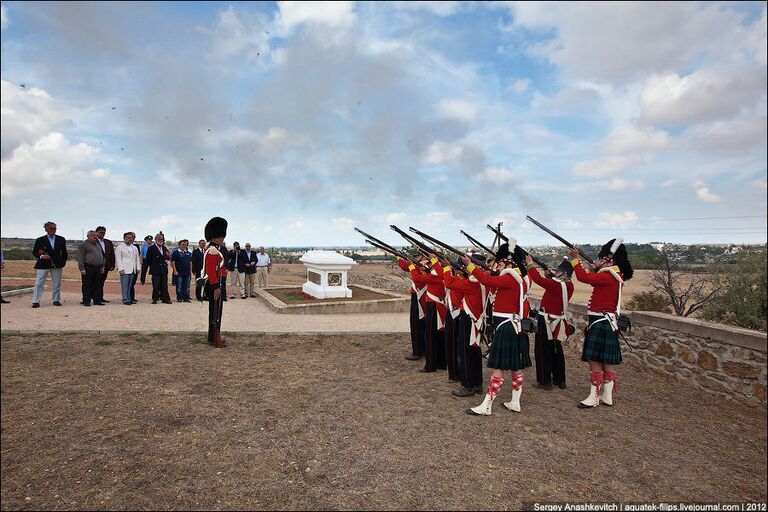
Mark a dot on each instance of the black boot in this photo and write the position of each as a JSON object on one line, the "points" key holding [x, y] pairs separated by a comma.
{"points": [[464, 392]]}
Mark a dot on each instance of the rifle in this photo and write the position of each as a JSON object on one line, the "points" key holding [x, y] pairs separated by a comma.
{"points": [[422, 247], [446, 246], [394, 252], [476, 243], [558, 237], [506, 239], [386, 247]]}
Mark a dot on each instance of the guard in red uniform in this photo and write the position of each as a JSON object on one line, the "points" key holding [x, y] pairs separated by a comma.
{"points": [[418, 298], [601, 340], [553, 328], [434, 321], [213, 268], [510, 350]]}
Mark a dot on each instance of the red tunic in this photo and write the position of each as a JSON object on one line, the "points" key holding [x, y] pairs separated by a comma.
{"points": [[214, 266], [433, 283], [507, 291], [470, 290], [456, 294], [552, 300], [605, 288], [404, 265]]}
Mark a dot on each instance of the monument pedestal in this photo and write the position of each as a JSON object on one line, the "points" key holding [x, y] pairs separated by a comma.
{"points": [[326, 274]]}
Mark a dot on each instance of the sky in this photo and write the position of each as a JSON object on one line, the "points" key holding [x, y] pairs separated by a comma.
{"points": [[299, 121]]}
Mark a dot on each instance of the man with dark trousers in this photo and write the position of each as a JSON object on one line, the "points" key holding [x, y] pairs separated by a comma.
{"points": [[197, 267], [50, 252], [157, 263], [215, 231], [90, 262], [109, 254]]}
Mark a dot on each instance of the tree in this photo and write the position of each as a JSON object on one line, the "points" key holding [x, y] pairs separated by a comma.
{"points": [[743, 299], [648, 301], [688, 292]]}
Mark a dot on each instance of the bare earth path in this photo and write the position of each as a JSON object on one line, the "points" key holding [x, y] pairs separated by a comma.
{"points": [[342, 422]]}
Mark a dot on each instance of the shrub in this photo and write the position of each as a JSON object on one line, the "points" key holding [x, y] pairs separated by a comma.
{"points": [[649, 301]]}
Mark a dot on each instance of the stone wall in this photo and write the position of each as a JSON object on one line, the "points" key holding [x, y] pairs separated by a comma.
{"points": [[719, 359]]}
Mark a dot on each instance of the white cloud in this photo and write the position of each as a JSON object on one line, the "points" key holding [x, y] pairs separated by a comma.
{"points": [[389, 218], [620, 184], [599, 41], [342, 223], [629, 138], [51, 162], [606, 166], [232, 36], [616, 220], [454, 108], [433, 218], [705, 94], [333, 14], [730, 136], [442, 8], [703, 193], [440, 152], [668, 183], [166, 221], [3, 17], [761, 184], [499, 175], [520, 86], [28, 114]]}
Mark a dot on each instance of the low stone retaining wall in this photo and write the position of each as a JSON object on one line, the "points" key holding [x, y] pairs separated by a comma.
{"points": [[396, 304], [720, 359]]}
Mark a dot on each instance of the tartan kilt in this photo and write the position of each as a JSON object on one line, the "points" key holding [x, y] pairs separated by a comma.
{"points": [[601, 343], [509, 350]]}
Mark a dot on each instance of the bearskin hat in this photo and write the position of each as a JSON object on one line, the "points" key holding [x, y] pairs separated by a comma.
{"points": [[565, 266], [615, 249], [477, 258], [215, 228], [518, 257], [502, 253]]}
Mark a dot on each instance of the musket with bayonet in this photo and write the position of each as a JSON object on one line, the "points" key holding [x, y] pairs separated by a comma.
{"points": [[424, 248], [446, 246], [386, 247], [506, 239], [558, 237], [476, 243]]}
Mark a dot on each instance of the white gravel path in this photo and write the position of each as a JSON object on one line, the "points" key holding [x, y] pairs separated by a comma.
{"points": [[250, 315]]}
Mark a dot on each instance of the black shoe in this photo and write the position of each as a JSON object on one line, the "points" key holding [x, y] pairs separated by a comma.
{"points": [[167, 302], [154, 302], [186, 300], [57, 303], [224, 299], [464, 392], [88, 305], [548, 387], [413, 357], [104, 300], [424, 370], [99, 304], [35, 304], [478, 390], [126, 303], [561, 385], [134, 302], [253, 296], [3, 301]]}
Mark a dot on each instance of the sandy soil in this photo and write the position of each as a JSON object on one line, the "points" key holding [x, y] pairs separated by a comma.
{"points": [[165, 422]]}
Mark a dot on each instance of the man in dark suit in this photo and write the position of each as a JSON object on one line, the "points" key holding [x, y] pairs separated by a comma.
{"points": [[50, 251], [249, 259], [197, 267], [109, 255], [157, 263]]}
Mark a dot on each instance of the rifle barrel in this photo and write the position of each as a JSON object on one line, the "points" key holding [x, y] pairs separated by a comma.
{"points": [[476, 243], [558, 237], [444, 245], [506, 239]]}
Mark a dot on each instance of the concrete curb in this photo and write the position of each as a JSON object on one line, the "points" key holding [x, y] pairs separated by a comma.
{"points": [[397, 303], [21, 291]]}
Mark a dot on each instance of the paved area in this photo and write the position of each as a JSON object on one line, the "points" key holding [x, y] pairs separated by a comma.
{"points": [[239, 315]]}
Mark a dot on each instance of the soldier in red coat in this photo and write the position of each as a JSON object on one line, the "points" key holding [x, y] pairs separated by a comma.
{"points": [[553, 327], [213, 270], [601, 340], [418, 298]]}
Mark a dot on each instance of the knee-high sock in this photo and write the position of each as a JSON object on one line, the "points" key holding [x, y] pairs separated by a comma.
{"points": [[495, 386], [517, 380]]}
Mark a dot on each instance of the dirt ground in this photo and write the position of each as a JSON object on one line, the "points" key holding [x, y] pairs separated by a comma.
{"points": [[291, 422]]}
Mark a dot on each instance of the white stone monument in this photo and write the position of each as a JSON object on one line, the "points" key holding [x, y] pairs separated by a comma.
{"points": [[326, 274]]}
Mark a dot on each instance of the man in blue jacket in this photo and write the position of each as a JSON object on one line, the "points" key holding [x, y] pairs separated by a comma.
{"points": [[50, 251], [157, 264]]}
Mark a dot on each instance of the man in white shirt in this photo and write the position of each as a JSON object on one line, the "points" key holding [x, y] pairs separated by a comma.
{"points": [[128, 263], [263, 267]]}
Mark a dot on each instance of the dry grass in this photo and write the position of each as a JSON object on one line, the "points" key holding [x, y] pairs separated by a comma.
{"points": [[165, 422]]}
